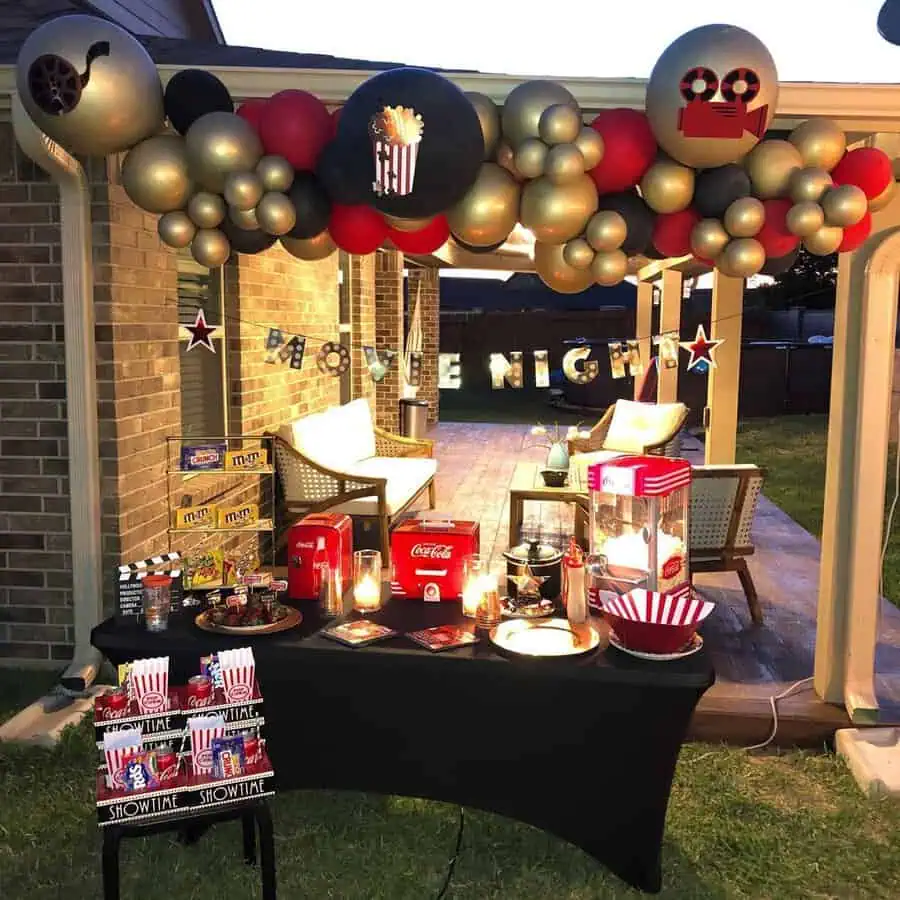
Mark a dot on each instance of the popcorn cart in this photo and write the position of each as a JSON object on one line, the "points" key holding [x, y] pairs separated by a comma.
{"points": [[639, 508]]}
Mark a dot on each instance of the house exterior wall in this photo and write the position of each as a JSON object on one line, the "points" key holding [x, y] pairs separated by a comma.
{"points": [[389, 334], [425, 284], [362, 325]]}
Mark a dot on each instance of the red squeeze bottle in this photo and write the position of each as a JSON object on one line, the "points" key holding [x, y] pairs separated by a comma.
{"points": [[573, 584]]}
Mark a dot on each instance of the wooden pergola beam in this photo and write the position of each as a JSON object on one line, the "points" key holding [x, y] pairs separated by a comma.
{"points": [[670, 320]]}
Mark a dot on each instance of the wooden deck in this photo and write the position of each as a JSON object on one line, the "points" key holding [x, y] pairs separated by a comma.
{"points": [[475, 467]]}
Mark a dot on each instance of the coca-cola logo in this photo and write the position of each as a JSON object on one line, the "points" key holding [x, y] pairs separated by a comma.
{"points": [[109, 713], [238, 692], [431, 551], [195, 702], [152, 701], [672, 567]]}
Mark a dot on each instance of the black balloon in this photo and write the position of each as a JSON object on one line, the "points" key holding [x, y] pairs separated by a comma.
{"points": [[192, 93], [336, 176], [450, 153], [312, 205], [716, 189], [469, 248], [244, 241], [889, 21], [778, 265], [638, 217], [652, 253]]}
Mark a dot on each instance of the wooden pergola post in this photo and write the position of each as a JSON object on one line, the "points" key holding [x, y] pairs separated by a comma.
{"points": [[643, 326], [669, 320]]}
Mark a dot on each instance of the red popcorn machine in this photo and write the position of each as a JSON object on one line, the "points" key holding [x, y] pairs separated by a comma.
{"points": [[336, 530], [639, 507], [428, 553]]}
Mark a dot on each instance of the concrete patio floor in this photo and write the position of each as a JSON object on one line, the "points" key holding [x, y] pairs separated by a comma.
{"points": [[476, 462]]}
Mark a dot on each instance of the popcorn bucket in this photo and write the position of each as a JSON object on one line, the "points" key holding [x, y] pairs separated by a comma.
{"points": [[238, 673], [203, 731], [117, 747], [149, 680], [395, 168]]}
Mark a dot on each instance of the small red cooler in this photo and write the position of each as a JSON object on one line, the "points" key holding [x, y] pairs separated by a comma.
{"points": [[427, 551], [337, 530]]}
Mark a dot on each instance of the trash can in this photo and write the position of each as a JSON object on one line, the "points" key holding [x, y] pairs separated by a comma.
{"points": [[413, 417]]}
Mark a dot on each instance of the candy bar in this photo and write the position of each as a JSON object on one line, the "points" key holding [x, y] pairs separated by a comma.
{"points": [[238, 516], [117, 747], [139, 771], [210, 666], [203, 457], [246, 459], [228, 756], [203, 516]]}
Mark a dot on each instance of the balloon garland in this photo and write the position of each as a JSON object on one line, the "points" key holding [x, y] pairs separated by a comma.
{"points": [[410, 161]]}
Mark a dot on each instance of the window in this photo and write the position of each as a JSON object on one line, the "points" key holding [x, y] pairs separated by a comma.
{"points": [[204, 412]]}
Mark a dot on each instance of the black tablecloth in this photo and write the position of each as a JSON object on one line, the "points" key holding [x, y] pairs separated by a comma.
{"points": [[586, 752]]}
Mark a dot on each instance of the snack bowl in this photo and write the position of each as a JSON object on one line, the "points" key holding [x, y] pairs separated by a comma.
{"points": [[555, 478]]}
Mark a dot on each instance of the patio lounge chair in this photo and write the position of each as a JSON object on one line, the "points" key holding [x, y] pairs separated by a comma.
{"points": [[632, 427], [723, 504]]}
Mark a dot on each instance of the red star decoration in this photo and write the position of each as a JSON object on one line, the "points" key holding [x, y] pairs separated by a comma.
{"points": [[700, 348], [201, 333]]}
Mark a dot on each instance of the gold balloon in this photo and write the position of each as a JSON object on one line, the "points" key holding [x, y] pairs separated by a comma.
{"points": [[590, 143], [742, 258], [530, 158], [210, 248], [821, 143], [578, 253], [489, 117], [771, 165], [683, 129], [845, 205], [885, 197], [825, 241], [206, 209], [506, 157], [399, 224], [709, 238], [745, 217], [804, 219], [490, 209], [219, 143], [175, 229], [526, 104], [155, 174], [609, 268], [319, 247], [275, 173], [244, 218], [809, 183], [555, 213], [556, 273], [606, 230], [243, 190], [97, 108], [564, 163], [276, 213], [668, 187], [560, 124]]}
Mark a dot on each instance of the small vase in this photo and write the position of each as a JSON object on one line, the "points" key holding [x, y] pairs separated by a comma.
{"points": [[558, 457]]}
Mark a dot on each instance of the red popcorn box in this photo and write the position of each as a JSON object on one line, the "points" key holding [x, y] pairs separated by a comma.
{"points": [[337, 531], [427, 553]]}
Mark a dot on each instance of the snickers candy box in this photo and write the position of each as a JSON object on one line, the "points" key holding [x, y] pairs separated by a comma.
{"points": [[427, 557]]}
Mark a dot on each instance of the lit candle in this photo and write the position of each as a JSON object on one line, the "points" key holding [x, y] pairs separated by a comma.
{"points": [[366, 595], [489, 611], [471, 596]]}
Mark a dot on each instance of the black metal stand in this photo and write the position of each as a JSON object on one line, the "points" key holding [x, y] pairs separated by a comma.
{"points": [[253, 815]]}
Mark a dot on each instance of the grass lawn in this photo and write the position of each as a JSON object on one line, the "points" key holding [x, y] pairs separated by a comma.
{"points": [[779, 827]]}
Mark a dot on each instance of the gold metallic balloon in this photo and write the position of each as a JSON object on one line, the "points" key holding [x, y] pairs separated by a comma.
{"points": [[564, 163], [578, 253], [590, 143], [276, 173], [606, 230], [667, 186], [555, 213], [771, 165], [745, 217], [526, 104], [89, 85], [709, 238], [821, 143], [399, 224], [210, 248], [489, 117], [319, 247], [219, 143], [805, 219], [825, 241], [176, 229], [206, 209], [560, 124], [742, 258], [556, 273], [155, 174], [243, 190], [609, 268], [809, 183], [530, 157], [845, 205], [704, 107], [885, 197], [276, 213], [506, 157], [490, 209], [244, 218]]}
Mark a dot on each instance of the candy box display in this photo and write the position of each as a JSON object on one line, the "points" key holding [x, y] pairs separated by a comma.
{"points": [[639, 508], [303, 537], [426, 552]]}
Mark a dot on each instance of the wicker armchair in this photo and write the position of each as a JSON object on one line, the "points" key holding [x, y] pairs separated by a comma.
{"points": [[664, 443]]}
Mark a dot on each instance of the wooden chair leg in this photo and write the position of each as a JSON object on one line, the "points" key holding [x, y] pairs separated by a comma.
{"points": [[432, 495], [743, 573], [384, 524]]}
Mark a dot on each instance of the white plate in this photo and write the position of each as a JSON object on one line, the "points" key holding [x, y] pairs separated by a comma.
{"points": [[695, 645], [545, 638]]}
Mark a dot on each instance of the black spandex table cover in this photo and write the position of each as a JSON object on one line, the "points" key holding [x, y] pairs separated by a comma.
{"points": [[584, 751]]}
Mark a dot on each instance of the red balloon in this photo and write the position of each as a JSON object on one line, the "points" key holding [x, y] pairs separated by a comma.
{"points": [[296, 125], [774, 235], [672, 232], [357, 229], [867, 168], [629, 149], [855, 235], [252, 111], [426, 240]]}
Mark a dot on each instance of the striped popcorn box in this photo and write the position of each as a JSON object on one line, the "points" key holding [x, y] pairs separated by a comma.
{"points": [[395, 132], [150, 684], [203, 730], [639, 605], [238, 673], [117, 747]]}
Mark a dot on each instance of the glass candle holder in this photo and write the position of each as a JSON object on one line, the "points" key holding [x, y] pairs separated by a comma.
{"points": [[474, 569], [490, 610], [367, 581], [157, 601]]}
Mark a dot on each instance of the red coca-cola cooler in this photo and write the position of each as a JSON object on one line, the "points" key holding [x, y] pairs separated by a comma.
{"points": [[336, 530], [431, 551]]}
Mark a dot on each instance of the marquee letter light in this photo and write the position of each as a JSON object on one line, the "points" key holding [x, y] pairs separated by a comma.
{"points": [[668, 349], [541, 369], [587, 373], [449, 375], [506, 370]]}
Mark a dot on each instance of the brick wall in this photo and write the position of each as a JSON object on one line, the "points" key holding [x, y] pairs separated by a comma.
{"points": [[389, 333], [425, 284], [362, 325]]}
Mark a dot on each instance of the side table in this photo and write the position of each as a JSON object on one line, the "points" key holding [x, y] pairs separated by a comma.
{"points": [[527, 485]]}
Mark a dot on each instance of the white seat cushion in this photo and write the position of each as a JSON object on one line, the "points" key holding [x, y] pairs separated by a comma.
{"points": [[635, 425], [405, 478], [579, 463], [335, 438]]}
